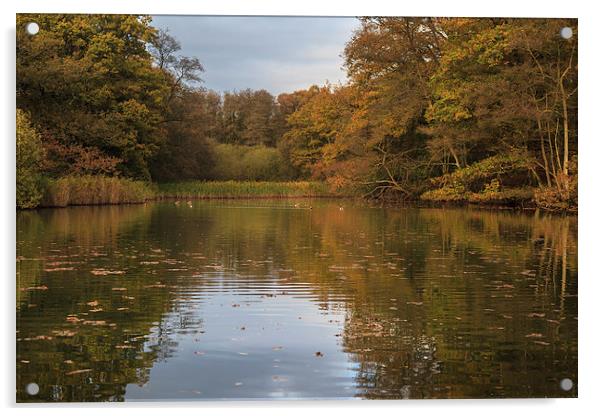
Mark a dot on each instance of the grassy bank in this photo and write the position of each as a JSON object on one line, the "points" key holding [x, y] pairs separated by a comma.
{"points": [[94, 190], [243, 189]]}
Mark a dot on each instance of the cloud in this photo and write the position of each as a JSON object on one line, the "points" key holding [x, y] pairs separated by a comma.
{"points": [[279, 54]]}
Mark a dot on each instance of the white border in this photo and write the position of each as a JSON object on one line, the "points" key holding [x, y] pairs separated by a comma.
{"points": [[590, 231]]}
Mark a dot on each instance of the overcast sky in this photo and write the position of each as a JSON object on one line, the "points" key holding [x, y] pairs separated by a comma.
{"points": [[279, 54]]}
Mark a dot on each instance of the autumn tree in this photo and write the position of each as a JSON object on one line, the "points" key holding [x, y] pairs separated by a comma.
{"points": [[88, 81], [507, 86]]}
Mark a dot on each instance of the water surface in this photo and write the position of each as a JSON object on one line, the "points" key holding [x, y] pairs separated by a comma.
{"points": [[274, 300]]}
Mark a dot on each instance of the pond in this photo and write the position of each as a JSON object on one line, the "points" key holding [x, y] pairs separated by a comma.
{"points": [[294, 299]]}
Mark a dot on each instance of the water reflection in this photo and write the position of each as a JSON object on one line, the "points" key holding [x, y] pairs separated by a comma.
{"points": [[265, 299]]}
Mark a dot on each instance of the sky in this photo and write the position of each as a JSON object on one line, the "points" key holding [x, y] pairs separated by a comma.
{"points": [[279, 54]]}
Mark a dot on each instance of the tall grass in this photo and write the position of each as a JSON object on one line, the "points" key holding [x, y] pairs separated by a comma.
{"points": [[94, 190], [243, 189]]}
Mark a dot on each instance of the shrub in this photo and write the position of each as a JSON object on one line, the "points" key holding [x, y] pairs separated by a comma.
{"points": [[474, 177], [455, 192], [255, 163], [30, 155], [511, 196]]}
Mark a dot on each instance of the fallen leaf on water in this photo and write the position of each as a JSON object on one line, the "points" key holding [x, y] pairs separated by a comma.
{"points": [[34, 288], [95, 323], [103, 272], [242, 328], [64, 333], [319, 354], [39, 337], [73, 319], [85, 370]]}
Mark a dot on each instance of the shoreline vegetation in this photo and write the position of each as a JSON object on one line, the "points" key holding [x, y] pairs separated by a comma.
{"points": [[460, 111], [98, 190]]}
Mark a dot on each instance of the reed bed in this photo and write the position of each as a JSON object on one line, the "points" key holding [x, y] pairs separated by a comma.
{"points": [[94, 190], [243, 189]]}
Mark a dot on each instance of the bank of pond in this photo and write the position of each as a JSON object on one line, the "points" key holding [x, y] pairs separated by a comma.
{"points": [[102, 190]]}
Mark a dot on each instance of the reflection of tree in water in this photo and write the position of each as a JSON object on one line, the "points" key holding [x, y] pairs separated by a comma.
{"points": [[439, 303], [495, 317], [394, 362], [86, 337]]}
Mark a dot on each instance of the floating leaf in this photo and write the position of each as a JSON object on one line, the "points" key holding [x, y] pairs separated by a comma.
{"points": [[85, 370], [43, 287], [64, 333], [103, 272]]}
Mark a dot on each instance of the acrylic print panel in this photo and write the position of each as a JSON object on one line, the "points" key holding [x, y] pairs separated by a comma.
{"points": [[295, 208]]}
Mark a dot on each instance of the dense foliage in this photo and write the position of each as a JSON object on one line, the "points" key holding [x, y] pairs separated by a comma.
{"points": [[458, 109], [30, 154], [448, 98]]}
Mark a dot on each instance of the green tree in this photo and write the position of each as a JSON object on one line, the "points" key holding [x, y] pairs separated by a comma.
{"points": [[89, 81], [30, 154]]}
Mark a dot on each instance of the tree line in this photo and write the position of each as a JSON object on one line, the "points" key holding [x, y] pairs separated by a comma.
{"points": [[443, 109]]}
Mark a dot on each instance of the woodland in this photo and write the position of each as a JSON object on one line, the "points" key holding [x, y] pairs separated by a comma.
{"points": [[439, 110]]}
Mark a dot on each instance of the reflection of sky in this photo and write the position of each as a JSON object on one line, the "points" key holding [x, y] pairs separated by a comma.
{"points": [[279, 54], [226, 355]]}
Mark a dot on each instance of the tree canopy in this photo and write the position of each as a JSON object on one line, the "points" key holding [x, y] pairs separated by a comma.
{"points": [[426, 98]]}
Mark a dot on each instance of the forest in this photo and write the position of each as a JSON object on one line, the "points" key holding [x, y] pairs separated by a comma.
{"points": [[439, 110]]}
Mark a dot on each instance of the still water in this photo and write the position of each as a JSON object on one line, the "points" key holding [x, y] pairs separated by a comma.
{"points": [[277, 300]]}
